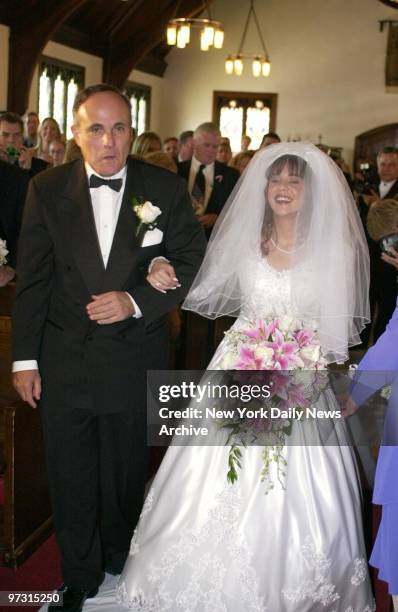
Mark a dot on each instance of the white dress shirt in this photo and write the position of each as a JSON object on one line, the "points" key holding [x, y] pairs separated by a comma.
{"points": [[385, 187], [106, 204], [208, 173]]}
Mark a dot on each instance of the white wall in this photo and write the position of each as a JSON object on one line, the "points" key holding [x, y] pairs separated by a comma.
{"points": [[91, 63], [4, 34], [327, 69]]}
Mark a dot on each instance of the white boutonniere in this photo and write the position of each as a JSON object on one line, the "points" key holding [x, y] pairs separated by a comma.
{"points": [[3, 252], [218, 178], [147, 214]]}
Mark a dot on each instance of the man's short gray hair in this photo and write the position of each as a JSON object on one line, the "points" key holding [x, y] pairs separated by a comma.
{"points": [[208, 127]]}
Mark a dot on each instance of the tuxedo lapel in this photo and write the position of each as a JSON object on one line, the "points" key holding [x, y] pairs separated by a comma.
{"points": [[121, 257], [80, 229]]}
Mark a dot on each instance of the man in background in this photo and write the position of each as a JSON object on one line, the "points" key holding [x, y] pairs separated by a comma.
{"points": [[32, 123], [185, 146], [209, 182], [383, 277], [12, 148]]}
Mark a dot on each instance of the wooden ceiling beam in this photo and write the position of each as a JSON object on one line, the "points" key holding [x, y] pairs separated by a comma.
{"points": [[139, 36], [29, 35]]}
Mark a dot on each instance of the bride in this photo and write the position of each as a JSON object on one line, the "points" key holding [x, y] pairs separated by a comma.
{"points": [[289, 242]]}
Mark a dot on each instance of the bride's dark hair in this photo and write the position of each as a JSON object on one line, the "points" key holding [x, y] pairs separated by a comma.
{"points": [[296, 166]]}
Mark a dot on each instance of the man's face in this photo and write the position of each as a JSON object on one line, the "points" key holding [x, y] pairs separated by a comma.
{"points": [[103, 132], [387, 166], [186, 150], [32, 125], [206, 147], [10, 135], [171, 147]]}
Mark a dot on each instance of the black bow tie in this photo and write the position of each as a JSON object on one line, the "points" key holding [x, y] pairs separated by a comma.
{"points": [[97, 181]]}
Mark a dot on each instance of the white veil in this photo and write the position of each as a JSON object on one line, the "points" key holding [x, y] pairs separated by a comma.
{"points": [[330, 269]]}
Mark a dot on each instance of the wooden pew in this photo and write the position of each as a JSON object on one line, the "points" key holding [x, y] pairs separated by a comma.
{"points": [[26, 515]]}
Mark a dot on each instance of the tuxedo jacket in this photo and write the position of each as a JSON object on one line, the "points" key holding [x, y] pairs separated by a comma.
{"points": [[13, 186], [60, 267], [224, 181]]}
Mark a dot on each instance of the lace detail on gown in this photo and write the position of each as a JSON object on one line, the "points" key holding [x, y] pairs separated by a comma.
{"points": [[204, 588]]}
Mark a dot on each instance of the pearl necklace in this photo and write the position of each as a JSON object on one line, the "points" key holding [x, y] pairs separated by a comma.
{"points": [[284, 250]]}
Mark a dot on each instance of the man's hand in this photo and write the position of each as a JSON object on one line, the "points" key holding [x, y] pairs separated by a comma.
{"points": [[25, 158], [391, 257], [207, 220], [110, 307], [162, 276], [28, 385], [6, 275]]}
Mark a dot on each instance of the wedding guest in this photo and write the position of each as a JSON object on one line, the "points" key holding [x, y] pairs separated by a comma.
{"points": [[241, 160], [49, 130], [382, 222], [224, 153], [269, 139], [145, 143], [170, 146], [185, 146], [32, 123], [383, 277], [209, 181], [377, 369], [11, 144], [56, 151], [245, 143], [162, 159]]}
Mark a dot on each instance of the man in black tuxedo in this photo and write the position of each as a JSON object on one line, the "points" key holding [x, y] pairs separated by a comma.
{"points": [[209, 182], [13, 185], [383, 276], [88, 320]]}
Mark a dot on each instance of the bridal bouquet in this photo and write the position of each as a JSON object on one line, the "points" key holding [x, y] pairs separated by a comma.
{"points": [[284, 356], [3, 252]]}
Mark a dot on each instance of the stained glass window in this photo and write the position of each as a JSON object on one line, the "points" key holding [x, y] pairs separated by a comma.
{"points": [[140, 98], [59, 83]]}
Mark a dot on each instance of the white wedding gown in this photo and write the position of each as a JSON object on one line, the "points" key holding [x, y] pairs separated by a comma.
{"points": [[205, 545]]}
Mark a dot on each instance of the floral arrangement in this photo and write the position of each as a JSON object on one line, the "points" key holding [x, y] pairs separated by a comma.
{"points": [[3, 252], [147, 214], [277, 352]]}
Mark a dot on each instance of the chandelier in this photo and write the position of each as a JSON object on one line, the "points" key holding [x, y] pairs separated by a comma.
{"points": [[260, 61], [179, 31]]}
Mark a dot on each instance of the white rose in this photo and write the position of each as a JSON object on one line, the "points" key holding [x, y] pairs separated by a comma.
{"points": [[285, 323], [311, 353], [228, 361], [265, 353], [148, 212]]}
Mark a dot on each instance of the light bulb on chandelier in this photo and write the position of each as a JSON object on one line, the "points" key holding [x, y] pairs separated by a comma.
{"points": [[260, 61]]}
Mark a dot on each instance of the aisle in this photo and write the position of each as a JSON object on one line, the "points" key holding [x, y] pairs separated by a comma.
{"points": [[104, 601]]}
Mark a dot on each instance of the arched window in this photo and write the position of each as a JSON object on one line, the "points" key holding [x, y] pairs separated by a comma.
{"points": [[59, 83]]}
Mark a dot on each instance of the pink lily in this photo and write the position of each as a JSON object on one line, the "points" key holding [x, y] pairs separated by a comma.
{"points": [[284, 352], [248, 360], [295, 398], [304, 337], [262, 331]]}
